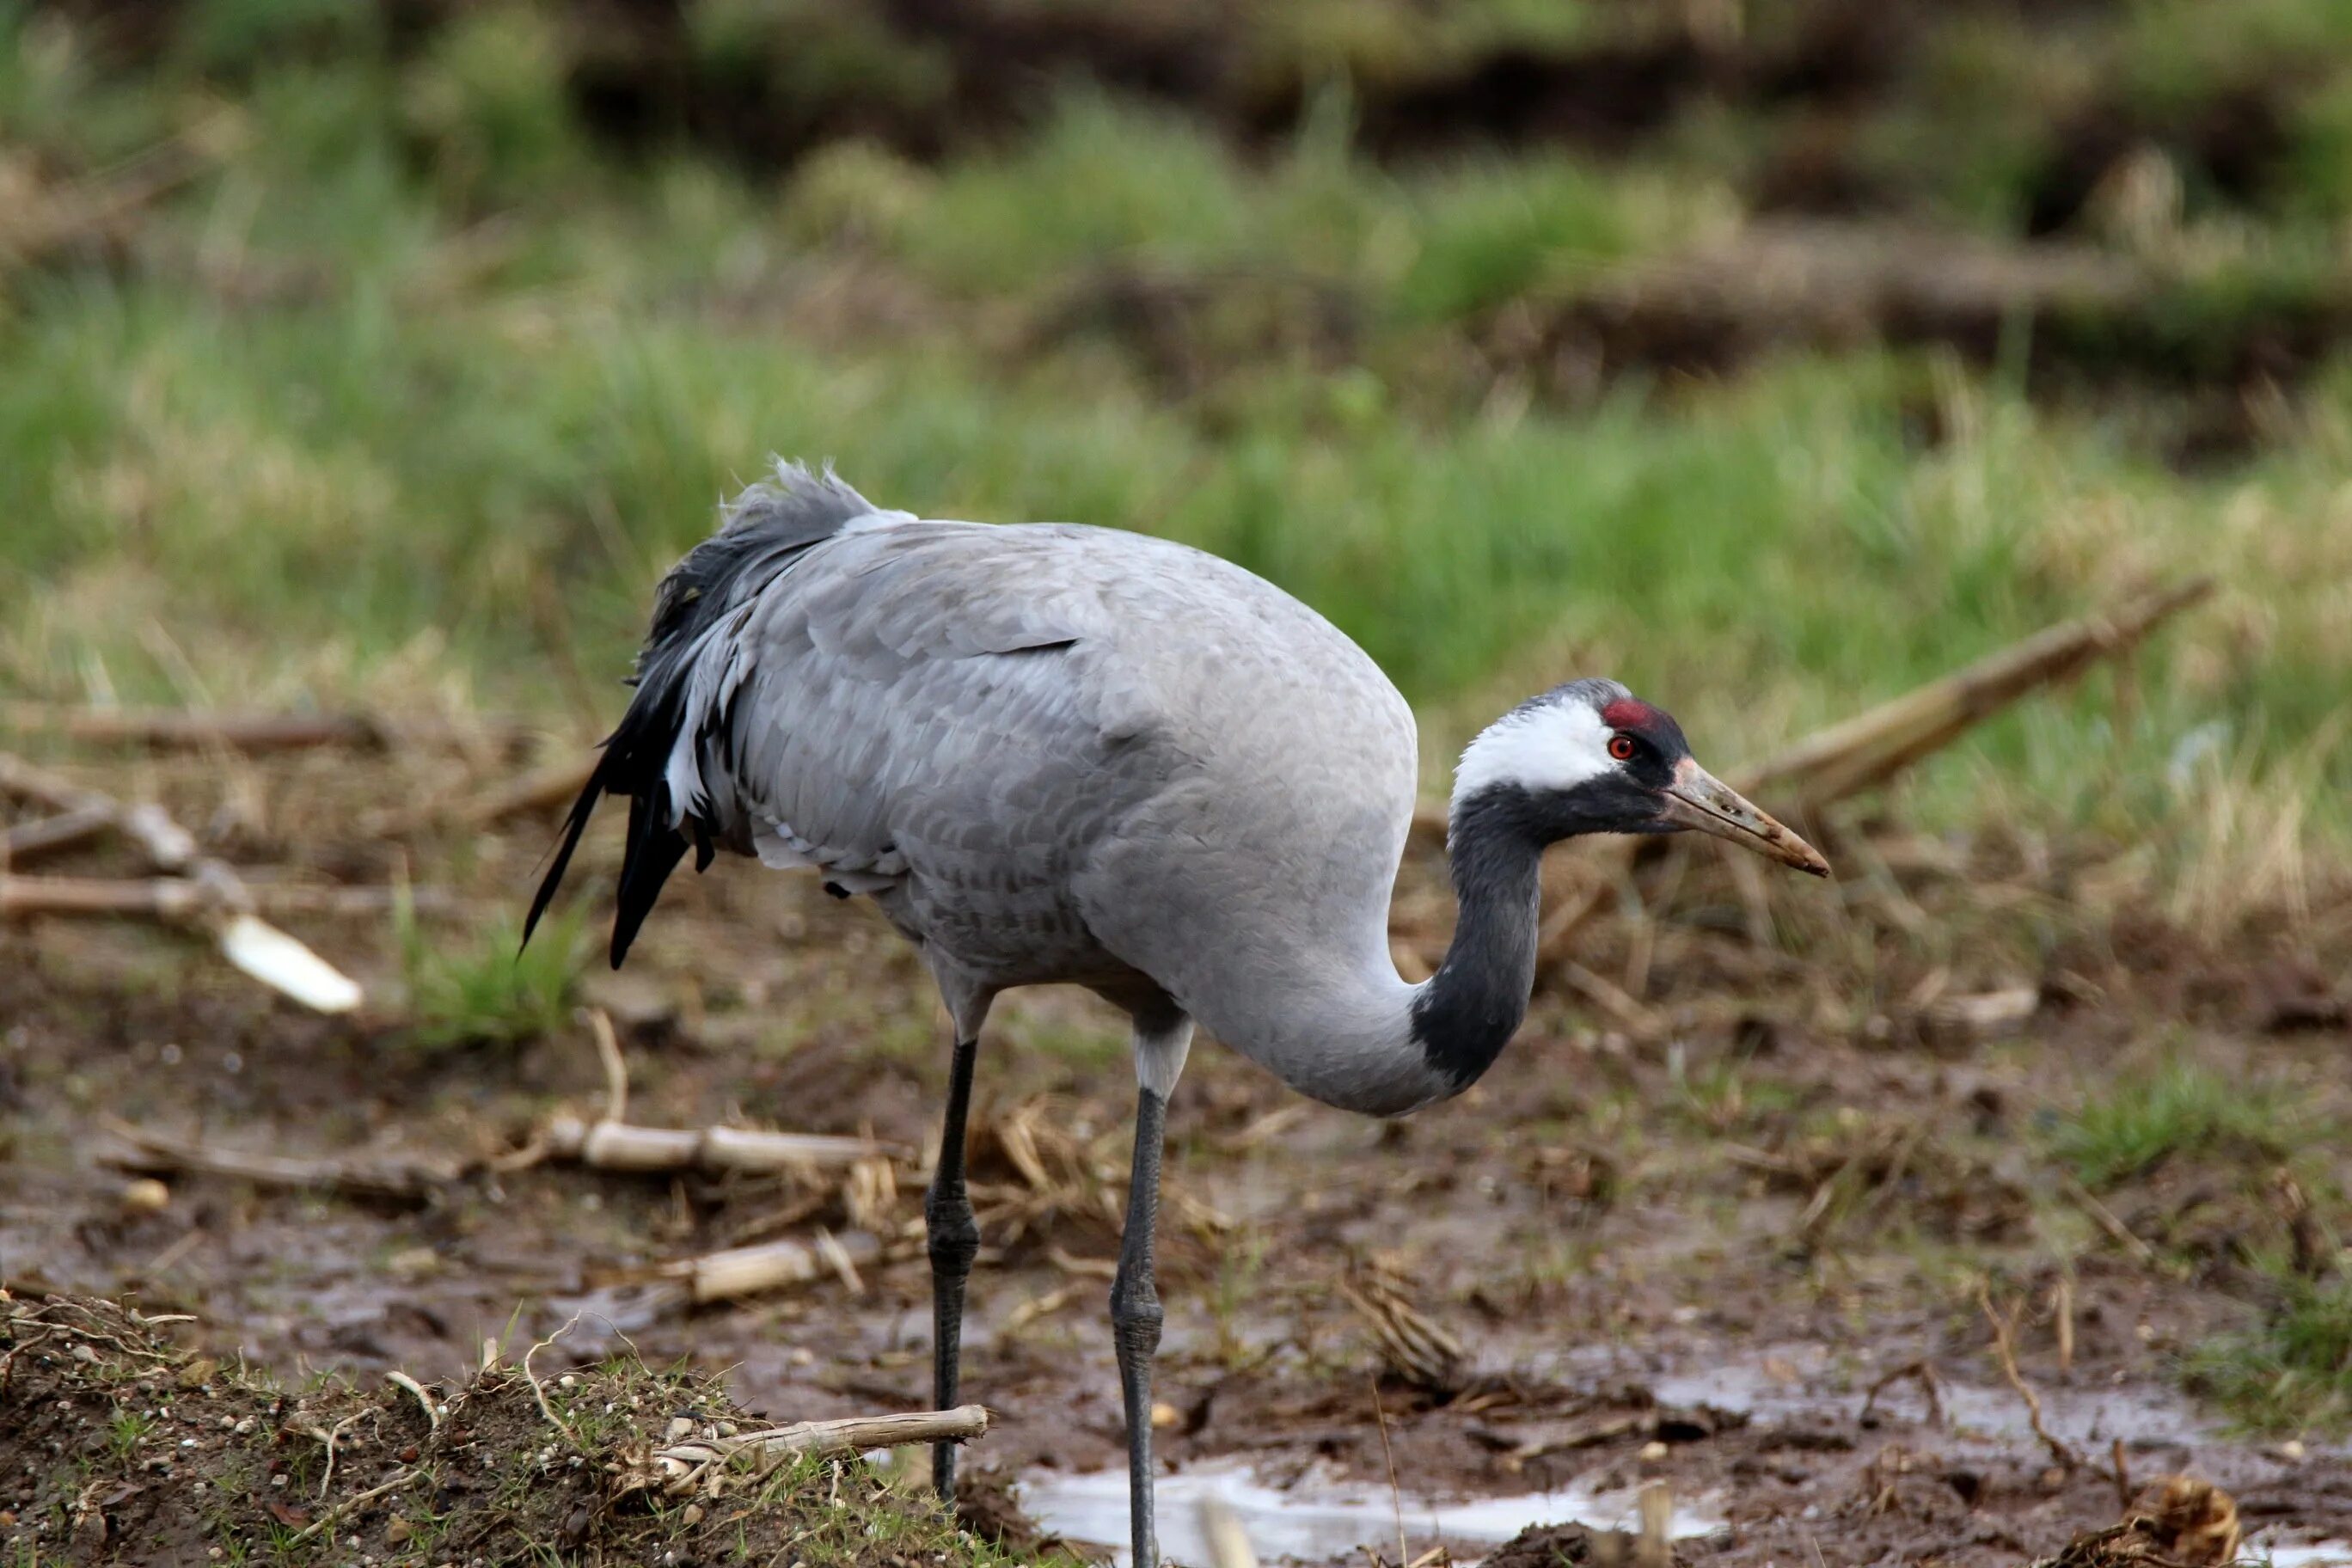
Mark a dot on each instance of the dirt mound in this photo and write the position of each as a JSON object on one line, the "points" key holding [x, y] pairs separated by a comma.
{"points": [[121, 1446]]}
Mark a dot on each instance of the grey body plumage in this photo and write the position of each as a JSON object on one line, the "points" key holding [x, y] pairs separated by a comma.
{"points": [[1051, 752]]}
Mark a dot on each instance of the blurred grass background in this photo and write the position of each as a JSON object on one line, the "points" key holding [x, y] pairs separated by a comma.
{"points": [[1771, 358]]}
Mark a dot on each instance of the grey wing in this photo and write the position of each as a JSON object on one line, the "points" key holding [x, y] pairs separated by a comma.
{"points": [[914, 712]]}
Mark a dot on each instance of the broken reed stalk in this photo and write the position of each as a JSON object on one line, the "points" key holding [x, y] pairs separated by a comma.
{"points": [[147, 1151], [683, 1468], [215, 899], [747, 1271], [1845, 759], [606, 1145]]}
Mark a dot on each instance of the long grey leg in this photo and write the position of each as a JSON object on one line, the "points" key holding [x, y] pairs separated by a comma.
{"points": [[1134, 1318], [954, 1237], [1161, 1042]]}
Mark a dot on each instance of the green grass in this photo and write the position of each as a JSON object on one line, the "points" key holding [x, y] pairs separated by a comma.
{"points": [[2128, 1129], [2292, 1370], [414, 387], [491, 989]]}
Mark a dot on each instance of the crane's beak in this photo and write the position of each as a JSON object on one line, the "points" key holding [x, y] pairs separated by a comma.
{"points": [[1697, 799]]}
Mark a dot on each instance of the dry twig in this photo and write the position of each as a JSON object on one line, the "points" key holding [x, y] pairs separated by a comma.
{"points": [[180, 727], [1911, 1370], [683, 1468], [342, 1510], [148, 1151], [2059, 1450], [432, 1410]]}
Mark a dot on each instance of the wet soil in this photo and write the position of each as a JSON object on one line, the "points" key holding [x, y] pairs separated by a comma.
{"points": [[1742, 1243]]}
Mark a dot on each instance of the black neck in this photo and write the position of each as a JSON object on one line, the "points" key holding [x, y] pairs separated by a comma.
{"points": [[1478, 999]]}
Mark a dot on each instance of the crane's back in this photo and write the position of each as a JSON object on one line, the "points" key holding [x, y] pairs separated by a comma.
{"points": [[1051, 752]]}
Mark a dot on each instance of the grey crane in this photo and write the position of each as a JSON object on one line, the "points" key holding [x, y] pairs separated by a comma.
{"points": [[1055, 754]]}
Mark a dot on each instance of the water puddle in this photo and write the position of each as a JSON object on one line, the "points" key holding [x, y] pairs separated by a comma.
{"points": [[1317, 1517], [2289, 1554]]}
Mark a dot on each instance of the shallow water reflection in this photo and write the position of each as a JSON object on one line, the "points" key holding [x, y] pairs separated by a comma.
{"points": [[1316, 1518]]}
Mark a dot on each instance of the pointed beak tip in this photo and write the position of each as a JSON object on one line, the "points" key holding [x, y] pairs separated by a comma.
{"points": [[1699, 800]]}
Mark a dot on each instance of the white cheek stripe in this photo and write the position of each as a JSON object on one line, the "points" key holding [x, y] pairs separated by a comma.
{"points": [[1556, 746]]}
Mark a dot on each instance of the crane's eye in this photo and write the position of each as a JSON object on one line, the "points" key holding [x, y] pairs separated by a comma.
{"points": [[1621, 747]]}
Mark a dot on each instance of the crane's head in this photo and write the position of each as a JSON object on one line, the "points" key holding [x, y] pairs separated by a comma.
{"points": [[1592, 757]]}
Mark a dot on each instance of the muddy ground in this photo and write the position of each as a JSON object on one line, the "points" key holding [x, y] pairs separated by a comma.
{"points": [[1736, 1216]]}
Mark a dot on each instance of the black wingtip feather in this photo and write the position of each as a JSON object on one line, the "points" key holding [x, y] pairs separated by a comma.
{"points": [[573, 826], [654, 849], [763, 530]]}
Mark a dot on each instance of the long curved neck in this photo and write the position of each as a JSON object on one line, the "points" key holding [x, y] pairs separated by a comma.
{"points": [[1472, 1006]]}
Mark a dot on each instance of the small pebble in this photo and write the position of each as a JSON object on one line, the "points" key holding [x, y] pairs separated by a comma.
{"points": [[691, 1515], [1652, 1451], [1164, 1414], [145, 1195]]}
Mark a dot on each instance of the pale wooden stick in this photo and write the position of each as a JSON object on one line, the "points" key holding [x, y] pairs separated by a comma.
{"points": [[147, 1150], [224, 909], [684, 1468], [617, 1146], [747, 1271]]}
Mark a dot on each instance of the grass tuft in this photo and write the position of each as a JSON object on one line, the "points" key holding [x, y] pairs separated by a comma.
{"points": [[2178, 1110], [492, 990], [2293, 1370]]}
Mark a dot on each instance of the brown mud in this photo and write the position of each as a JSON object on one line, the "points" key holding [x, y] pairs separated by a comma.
{"points": [[1735, 1231], [1732, 1244]]}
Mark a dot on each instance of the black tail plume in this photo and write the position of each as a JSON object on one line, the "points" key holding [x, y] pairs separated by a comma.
{"points": [[762, 533]]}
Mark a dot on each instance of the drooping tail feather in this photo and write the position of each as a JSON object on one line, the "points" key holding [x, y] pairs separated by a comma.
{"points": [[761, 533]]}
